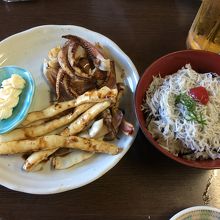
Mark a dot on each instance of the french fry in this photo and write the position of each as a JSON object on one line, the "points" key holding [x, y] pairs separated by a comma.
{"points": [[56, 141], [82, 121], [42, 129], [73, 158], [91, 96]]}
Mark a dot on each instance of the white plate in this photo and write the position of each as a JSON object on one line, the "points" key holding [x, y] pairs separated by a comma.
{"points": [[28, 49], [198, 213]]}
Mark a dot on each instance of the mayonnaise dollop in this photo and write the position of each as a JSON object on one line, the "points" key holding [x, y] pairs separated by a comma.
{"points": [[9, 95]]}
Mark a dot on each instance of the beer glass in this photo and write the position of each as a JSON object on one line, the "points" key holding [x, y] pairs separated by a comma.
{"points": [[204, 33]]}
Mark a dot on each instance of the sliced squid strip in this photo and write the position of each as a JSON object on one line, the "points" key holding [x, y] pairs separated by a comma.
{"points": [[36, 158], [83, 120], [49, 111], [50, 142], [36, 131], [73, 158], [100, 95], [36, 123], [98, 129], [91, 96]]}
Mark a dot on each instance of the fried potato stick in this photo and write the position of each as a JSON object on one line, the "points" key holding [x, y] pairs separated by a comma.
{"points": [[42, 129], [83, 120], [88, 97], [55, 141]]}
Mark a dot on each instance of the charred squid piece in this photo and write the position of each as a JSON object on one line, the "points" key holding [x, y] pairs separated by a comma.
{"points": [[75, 52], [59, 79], [66, 85], [99, 74], [126, 127], [100, 77], [116, 121], [85, 65], [121, 89], [117, 116], [111, 78], [97, 57], [63, 61], [107, 117], [80, 74], [81, 86], [109, 137]]}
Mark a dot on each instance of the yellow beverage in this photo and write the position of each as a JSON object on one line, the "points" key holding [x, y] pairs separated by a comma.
{"points": [[204, 33]]}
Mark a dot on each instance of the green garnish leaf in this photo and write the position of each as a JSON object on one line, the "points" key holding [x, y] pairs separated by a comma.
{"points": [[190, 105]]}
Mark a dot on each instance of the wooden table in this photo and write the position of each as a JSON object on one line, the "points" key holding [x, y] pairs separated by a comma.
{"points": [[145, 184]]}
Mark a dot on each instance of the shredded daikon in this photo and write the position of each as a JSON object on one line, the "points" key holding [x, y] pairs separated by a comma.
{"points": [[167, 121]]}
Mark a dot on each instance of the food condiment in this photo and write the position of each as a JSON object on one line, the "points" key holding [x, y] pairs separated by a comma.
{"points": [[200, 94], [190, 104], [9, 95]]}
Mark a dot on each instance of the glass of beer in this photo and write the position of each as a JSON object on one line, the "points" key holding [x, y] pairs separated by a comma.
{"points": [[204, 33]]}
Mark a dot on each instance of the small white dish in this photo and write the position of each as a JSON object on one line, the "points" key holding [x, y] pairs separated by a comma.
{"points": [[198, 213], [28, 49]]}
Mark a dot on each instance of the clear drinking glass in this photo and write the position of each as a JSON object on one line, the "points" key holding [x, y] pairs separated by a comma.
{"points": [[204, 33]]}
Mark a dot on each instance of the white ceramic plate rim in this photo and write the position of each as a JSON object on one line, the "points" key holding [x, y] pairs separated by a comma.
{"points": [[195, 208], [56, 189]]}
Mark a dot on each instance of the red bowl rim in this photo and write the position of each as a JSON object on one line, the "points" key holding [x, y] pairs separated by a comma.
{"points": [[142, 124]]}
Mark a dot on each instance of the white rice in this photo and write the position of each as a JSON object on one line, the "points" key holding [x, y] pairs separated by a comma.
{"points": [[167, 121]]}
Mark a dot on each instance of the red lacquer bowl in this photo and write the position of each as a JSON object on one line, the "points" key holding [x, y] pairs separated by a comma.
{"points": [[201, 61]]}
